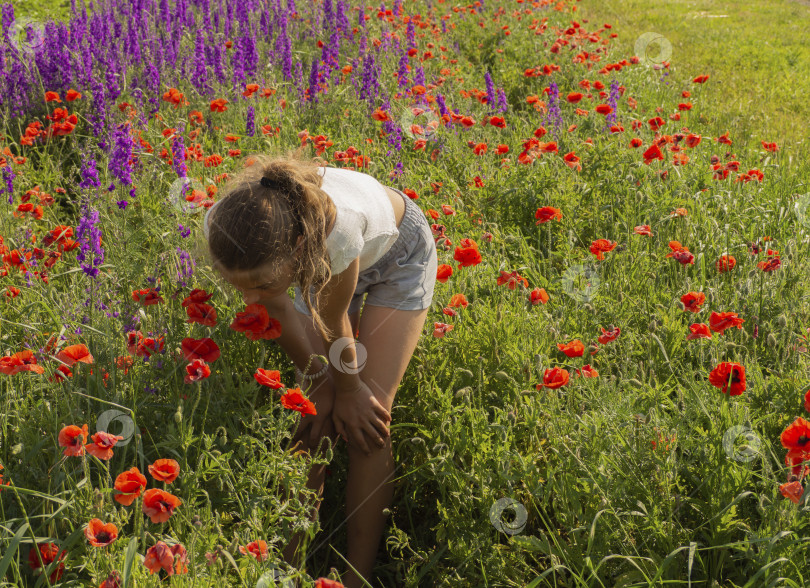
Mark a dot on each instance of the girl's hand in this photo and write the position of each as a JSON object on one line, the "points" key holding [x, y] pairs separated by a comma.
{"points": [[358, 413], [321, 393]]}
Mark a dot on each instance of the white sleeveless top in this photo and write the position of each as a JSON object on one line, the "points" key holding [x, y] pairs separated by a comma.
{"points": [[365, 225]]}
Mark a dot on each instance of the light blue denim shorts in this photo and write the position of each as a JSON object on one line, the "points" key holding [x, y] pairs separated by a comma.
{"points": [[404, 277]]}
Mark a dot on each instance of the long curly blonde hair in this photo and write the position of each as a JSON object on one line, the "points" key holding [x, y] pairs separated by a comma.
{"points": [[256, 226]]}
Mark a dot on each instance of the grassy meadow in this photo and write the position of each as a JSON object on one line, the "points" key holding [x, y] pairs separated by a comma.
{"points": [[611, 386]]}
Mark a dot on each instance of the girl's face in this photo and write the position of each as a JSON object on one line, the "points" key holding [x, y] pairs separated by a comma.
{"points": [[262, 285]]}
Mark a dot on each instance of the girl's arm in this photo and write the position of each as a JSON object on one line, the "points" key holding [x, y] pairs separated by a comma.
{"points": [[293, 339]]}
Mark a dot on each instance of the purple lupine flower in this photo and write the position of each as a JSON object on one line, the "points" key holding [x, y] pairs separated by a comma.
{"points": [[186, 266], [490, 91], [442, 105], [342, 20], [98, 118], [613, 101], [179, 152], [411, 35], [554, 113], [402, 72], [184, 231], [361, 17], [121, 154], [89, 174], [89, 237], [313, 81], [397, 11], [250, 121], [327, 14], [503, 104], [8, 177], [200, 76]]}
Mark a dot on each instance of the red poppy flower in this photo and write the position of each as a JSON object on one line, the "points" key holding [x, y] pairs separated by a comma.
{"points": [[327, 583], [587, 372], [458, 300], [295, 400], [700, 79], [75, 353], [574, 97], [467, 256], [796, 437], [100, 534], [165, 470], [538, 295], [725, 372], [573, 349], [195, 371], [147, 296], [652, 153], [512, 280], [218, 105], [197, 295], [50, 553], [159, 505], [201, 313], [440, 329], [161, 556], [770, 264], [22, 361], [72, 95], [792, 490], [112, 581], [692, 301], [547, 213], [443, 273], [129, 485], [608, 336], [149, 345], [725, 263], [720, 321], [554, 378], [102, 445], [254, 319], [807, 401], [258, 549], [72, 438], [699, 331], [601, 246], [270, 378], [205, 349]]}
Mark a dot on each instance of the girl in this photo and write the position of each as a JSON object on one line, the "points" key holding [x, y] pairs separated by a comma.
{"points": [[336, 235]]}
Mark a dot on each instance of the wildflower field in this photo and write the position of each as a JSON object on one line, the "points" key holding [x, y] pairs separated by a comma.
{"points": [[611, 386]]}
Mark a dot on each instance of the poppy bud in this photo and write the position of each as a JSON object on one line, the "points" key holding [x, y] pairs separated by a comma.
{"points": [[466, 376], [463, 392], [771, 340], [587, 307], [502, 377], [178, 416], [782, 320], [592, 349], [386, 511], [635, 382], [653, 326], [17, 449], [195, 520], [98, 499]]}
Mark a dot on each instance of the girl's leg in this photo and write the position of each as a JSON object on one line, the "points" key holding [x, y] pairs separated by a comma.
{"points": [[389, 337], [317, 474]]}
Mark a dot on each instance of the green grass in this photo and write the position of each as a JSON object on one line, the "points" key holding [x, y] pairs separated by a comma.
{"points": [[755, 56]]}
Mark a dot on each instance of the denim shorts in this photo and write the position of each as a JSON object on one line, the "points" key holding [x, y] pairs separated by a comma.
{"points": [[404, 277]]}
